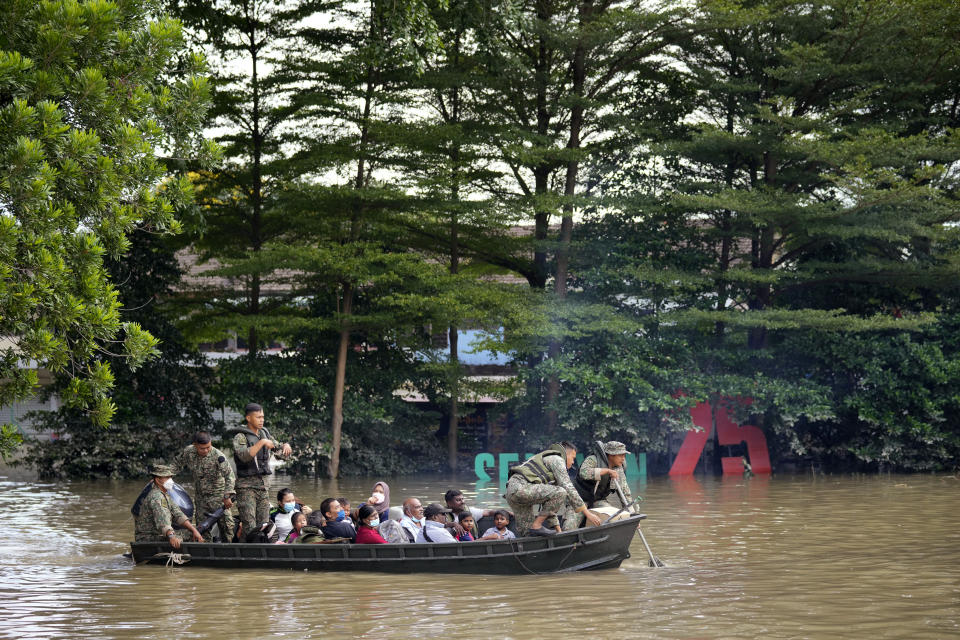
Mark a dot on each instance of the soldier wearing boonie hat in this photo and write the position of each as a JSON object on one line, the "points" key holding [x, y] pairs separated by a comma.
{"points": [[158, 512], [594, 481]]}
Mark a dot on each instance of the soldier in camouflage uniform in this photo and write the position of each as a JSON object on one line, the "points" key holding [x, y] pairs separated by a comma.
{"points": [[595, 483], [543, 481], [158, 513], [213, 481], [252, 446]]}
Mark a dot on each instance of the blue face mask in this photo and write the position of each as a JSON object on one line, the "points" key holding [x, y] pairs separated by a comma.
{"points": [[374, 523], [341, 515], [289, 507]]}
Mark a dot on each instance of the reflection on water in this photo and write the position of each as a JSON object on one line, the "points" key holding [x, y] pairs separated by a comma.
{"points": [[782, 557]]}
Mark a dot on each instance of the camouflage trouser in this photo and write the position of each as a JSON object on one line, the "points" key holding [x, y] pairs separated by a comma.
{"points": [[254, 507], [523, 496], [209, 504]]}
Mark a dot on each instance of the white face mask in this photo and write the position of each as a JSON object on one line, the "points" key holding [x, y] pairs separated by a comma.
{"points": [[378, 497], [168, 484]]}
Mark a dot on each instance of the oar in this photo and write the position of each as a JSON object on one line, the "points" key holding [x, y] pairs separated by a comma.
{"points": [[654, 560]]}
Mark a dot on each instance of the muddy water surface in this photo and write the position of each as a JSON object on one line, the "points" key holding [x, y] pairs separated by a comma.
{"points": [[781, 557]]}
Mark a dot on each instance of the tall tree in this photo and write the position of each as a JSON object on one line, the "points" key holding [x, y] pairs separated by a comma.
{"points": [[348, 108], [91, 94], [251, 89], [812, 197], [557, 72]]}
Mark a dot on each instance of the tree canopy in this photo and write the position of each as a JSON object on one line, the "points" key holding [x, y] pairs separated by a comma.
{"points": [[98, 107], [704, 200]]}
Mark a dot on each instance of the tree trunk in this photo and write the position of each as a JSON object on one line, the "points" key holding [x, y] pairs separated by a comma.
{"points": [[570, 188], [336, 427], [339, 385], [256, 196], [453, 418], [762, 250]]}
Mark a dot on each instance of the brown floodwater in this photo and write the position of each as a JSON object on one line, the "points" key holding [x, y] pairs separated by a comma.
{"points": [[782, 557]]}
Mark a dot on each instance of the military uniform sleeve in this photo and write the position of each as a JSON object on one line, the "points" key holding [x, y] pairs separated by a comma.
{"points": [[227, 472], [278, 450], [179, 462], [158, 513], [588, 469], [240, 448], [559, 469]]}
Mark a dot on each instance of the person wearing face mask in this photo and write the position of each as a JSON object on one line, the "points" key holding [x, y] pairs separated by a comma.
{"points": [[335, 527], [213, 481], [412, 520], [158, 513], [380, 500], [368, 521], [287, 505]]}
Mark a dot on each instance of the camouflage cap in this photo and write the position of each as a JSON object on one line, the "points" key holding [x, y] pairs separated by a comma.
{"points": [[614, 448], [160, 470]]}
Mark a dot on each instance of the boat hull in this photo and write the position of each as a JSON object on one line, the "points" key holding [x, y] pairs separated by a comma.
{"points": [[603, 547]]}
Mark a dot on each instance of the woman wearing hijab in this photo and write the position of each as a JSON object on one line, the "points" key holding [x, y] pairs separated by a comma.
{"points": [[380, 500]]}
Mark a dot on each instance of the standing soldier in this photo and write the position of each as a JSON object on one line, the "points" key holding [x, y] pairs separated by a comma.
{"points": [[213, 482], [595, 483], [543, 480], [251, 452], [158, 513]]}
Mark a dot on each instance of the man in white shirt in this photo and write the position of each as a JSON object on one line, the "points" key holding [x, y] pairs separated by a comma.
{"points": [[434, 529], [413, 518]]}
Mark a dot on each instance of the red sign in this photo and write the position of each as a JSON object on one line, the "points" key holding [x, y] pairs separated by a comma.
{"points": [[728, 433]]}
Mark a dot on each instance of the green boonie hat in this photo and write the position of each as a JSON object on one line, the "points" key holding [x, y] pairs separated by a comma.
{"points": [[614, 448], [160, 470]]}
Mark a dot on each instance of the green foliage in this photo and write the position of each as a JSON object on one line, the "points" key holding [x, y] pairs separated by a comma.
{"points": [[90, 94], [751, 199], [156, 408]]}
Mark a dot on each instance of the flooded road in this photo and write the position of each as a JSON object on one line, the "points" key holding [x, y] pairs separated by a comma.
{"points": [[782, 557]]}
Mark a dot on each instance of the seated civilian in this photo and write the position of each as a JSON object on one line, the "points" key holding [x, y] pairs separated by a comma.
{"points": [[335, 527], [499, 530], [287, 505], [367, 522], [466, 521], [458, 508], [433, 528], [412, 520], [380, 499], [297, 523], [316, 519], [345, 505]]}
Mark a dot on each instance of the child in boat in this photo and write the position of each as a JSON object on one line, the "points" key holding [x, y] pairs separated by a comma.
{"points": [[345, 505], [499, 529], [466, 521], [298, 522]]}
